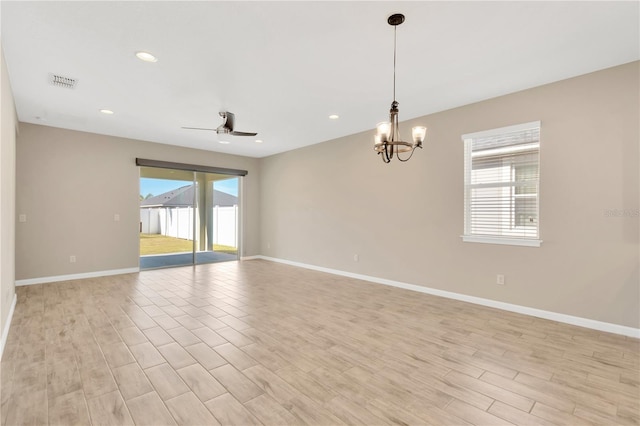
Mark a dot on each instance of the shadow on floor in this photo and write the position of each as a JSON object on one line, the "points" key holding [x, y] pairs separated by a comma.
{"points": [[181, 259]]}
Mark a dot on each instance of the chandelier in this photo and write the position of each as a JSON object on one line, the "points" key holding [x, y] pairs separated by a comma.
{"points": [[387, 140]]}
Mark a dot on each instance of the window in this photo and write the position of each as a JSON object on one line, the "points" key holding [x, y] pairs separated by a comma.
{"points": [[501, 185]]}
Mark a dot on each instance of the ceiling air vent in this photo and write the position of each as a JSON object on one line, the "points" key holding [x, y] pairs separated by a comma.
{"points": [[64, 82]]}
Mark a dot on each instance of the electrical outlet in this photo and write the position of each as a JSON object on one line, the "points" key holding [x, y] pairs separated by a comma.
{"points": [[116, 217], [500, 279], [22, 217], [72, 259], [356, 258], [268, 245]]}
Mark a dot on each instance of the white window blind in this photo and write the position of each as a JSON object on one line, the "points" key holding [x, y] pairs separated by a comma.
{"points": [[501, 191]]}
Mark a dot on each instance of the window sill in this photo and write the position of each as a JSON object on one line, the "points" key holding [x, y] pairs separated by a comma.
{"points": [[501, 240]]}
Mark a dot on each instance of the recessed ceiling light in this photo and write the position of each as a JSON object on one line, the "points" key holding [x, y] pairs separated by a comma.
{"points": [[224, 142], [106, 111], [258, 140], [334, 116], [146, 56]]}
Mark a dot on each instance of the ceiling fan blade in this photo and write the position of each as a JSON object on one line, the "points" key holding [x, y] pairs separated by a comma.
{"points": [[196, 128], [234, 133]]}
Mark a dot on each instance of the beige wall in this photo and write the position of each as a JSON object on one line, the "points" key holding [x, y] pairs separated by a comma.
{"points": [[71, 184], [324, 203], [8, 126]]}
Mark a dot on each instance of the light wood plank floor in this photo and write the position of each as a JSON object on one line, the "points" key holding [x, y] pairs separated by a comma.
{"points": [[255, 342]]}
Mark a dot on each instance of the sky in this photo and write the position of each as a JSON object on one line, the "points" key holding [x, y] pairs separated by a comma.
{"points": [[160, 186]]}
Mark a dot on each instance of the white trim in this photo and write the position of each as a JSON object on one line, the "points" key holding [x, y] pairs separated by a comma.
{"points": [[502, 130], [250, 257], [7, 324], [57, 278], [501, 240], [553, 316]]}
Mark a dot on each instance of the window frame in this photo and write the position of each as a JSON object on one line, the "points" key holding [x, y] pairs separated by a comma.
{"points": [[499, 239]]}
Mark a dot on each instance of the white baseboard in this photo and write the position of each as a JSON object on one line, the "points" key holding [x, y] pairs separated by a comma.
{"points": [[250, 257], [58, 278], [7, 324], [554, 316]]}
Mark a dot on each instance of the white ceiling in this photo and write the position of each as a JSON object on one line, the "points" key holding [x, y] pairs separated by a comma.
{"points": [[284, 67]]}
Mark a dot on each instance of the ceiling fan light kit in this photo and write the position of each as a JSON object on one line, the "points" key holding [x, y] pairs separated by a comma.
{"points": [[387, 142]]}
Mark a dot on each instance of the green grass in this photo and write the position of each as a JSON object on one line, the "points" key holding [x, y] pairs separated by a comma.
{"points": [[160, 244]]}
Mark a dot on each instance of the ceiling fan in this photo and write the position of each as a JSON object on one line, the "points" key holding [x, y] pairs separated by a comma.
{"points": [[226, 128]]}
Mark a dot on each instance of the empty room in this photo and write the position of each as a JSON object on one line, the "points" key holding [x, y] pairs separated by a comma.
{"points": [[320, 213]]}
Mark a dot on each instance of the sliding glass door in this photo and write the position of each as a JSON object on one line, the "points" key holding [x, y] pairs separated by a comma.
{"points": [[187, 217], [166, 217], [217, 218]]}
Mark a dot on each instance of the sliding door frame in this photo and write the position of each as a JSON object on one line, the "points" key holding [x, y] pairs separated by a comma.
{"points": [[168, 165]]}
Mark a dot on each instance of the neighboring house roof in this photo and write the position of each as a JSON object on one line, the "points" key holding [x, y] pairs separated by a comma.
{"points": [[183, 197]]}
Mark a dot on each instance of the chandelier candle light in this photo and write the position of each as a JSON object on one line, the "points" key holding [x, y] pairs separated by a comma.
{"points": [[387, 140]]}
